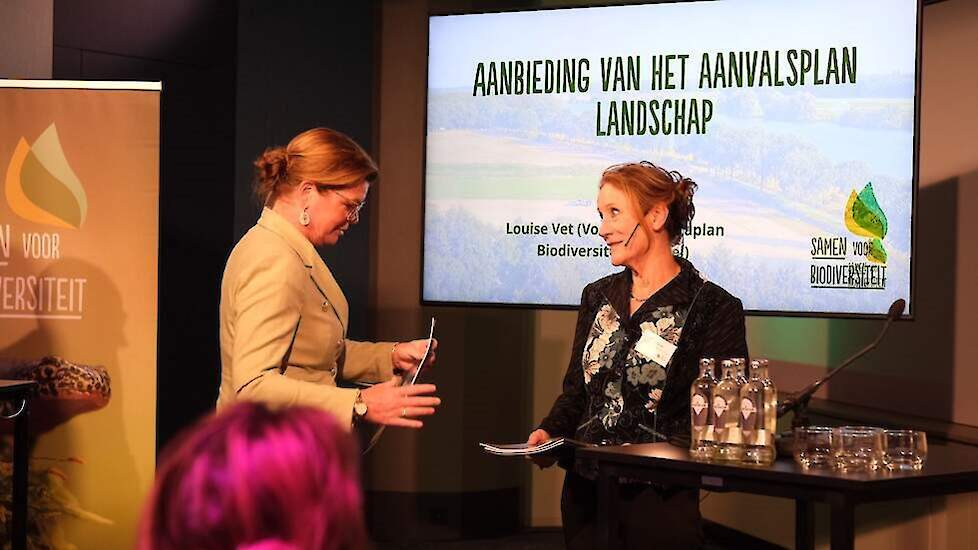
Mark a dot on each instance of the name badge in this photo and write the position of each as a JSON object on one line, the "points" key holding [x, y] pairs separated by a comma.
{"points": [[655, 347]]}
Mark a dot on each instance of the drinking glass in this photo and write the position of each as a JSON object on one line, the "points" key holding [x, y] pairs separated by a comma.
{"points": [[903, 449], [856, 448], [813, 446]]}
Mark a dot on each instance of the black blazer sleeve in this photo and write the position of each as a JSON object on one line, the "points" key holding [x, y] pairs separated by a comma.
{"points": [[720, 333], [726, 336], [565, 415]]}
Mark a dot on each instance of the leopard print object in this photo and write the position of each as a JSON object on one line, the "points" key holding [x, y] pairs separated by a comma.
{"points": [[60, 379]]}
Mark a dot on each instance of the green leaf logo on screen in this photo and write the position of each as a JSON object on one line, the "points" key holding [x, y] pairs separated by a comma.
{"points": [[865, 218], [41, 186]]}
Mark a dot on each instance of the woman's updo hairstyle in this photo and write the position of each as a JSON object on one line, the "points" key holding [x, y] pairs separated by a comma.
{"points": [[320, 155], [646, 184]]}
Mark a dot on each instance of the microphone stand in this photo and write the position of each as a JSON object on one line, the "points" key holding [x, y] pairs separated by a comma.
{"points": [[798, 402]]}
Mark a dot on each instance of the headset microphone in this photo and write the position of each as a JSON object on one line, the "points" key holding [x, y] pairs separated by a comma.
{"points": [[632, 234]]}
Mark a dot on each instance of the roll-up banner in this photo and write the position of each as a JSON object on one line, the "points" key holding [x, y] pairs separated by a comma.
{"points": [[78, 299]]}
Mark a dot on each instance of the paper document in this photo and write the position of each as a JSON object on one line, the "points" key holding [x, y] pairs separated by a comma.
{"points": [[522, 449], [409, 377]]}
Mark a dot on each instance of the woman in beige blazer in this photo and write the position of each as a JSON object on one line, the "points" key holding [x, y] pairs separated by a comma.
{"points": [[284, 317]]}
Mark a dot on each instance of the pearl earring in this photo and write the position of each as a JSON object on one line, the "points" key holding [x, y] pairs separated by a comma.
{"points": [[304, 217]]}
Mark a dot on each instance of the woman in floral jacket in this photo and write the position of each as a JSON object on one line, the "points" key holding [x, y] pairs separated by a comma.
{"points": [[640, 334]]}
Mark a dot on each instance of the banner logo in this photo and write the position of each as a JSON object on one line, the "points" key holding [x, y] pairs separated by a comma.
{"points": [[865, 218], [853, 263], [40, 185], [41, 188]]}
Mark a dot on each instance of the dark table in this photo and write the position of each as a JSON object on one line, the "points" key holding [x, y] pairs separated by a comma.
{"points": [[949, 469], [19, 393]]}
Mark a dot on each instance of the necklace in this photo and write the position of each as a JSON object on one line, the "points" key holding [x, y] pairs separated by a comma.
{"points": [[632, 294], [641, 299]]}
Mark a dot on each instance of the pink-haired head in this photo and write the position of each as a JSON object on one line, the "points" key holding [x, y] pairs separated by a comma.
{"points": [[252, 477]]}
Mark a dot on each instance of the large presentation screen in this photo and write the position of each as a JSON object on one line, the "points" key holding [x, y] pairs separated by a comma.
{"points": [[796, 119]]}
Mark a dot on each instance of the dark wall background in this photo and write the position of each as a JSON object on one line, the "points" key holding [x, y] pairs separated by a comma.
{"points": [[190, 46], [237, 77], [303, 64]]}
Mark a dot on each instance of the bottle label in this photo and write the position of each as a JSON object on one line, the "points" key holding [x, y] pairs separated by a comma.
{"points": [[747, 409], [719, 407], [748, 418], [700, 408]]}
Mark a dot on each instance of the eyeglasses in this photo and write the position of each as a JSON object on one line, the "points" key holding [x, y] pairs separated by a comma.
{"points": [[353, 207]]}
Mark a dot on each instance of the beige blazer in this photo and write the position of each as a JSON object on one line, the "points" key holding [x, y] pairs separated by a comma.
{"points": [[283, 326]]}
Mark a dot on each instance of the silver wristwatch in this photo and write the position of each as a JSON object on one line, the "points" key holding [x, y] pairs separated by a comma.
{"points": [[359, 408]]}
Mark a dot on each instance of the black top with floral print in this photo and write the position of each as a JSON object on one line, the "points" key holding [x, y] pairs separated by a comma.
{"points": [[629, 376]]}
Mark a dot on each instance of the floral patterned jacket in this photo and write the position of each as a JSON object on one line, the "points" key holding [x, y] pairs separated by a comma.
{"points": [[629, 376]]}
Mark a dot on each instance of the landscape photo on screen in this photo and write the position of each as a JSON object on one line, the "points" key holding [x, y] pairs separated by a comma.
{"points": [[796, 120]]}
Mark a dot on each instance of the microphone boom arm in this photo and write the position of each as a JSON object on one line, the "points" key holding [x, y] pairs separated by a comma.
{"points": [[801, 399]]}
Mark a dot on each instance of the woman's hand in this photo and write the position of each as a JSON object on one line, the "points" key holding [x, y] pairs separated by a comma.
{"points": [[538, 437], [406, 355], [393, 405]]}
